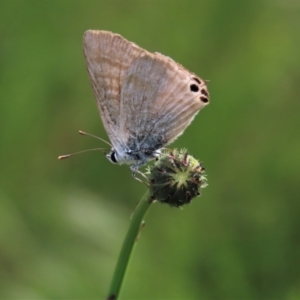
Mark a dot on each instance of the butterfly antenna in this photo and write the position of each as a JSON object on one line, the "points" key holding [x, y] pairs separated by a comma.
{"points": [[79, 152], [94, 136]]}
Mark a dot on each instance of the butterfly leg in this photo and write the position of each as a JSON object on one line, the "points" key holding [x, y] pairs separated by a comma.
{"points": [[134, 169]]}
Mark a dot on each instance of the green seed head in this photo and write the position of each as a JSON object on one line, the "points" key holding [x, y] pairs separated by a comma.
{"points": [[176, 178]]}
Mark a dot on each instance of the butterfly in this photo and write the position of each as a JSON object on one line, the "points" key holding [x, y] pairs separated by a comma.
{"points": [[145, 100]]}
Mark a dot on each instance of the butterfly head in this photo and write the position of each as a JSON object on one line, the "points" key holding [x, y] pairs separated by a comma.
{"points": [[132, 157], [121, 157]]}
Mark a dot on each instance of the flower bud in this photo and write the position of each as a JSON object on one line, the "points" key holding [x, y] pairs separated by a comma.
{"points": [[176, 178]]}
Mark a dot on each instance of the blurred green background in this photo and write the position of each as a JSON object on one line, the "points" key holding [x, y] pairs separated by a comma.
{"points": [[62, 222]]}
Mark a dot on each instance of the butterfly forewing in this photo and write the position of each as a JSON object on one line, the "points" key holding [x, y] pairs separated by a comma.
{"points": [[108, 56]]}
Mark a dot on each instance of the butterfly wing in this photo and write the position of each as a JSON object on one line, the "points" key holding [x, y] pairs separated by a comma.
{"points": [[159, 99], [108, 57]]}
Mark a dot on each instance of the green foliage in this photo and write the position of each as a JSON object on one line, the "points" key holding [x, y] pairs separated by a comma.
{"points": [[63, 222]]}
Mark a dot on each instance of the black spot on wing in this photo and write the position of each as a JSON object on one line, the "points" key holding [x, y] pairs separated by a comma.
{"points": [[194, 88], [204, 99], [197, 80], [204, 92]]}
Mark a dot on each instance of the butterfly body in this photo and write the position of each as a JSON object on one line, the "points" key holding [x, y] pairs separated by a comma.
{"points": [[145, 100]]}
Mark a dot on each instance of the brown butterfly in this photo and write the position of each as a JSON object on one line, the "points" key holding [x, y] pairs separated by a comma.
{"points": [[145, 100]]}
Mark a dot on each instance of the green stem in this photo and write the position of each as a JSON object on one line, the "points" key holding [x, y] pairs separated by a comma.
{"points": [[128, 244]]}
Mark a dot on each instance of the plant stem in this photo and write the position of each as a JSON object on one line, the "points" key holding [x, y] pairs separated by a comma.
{"points": [[128, 244]]}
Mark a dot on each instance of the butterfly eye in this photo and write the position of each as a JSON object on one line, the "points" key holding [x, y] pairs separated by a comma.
{"points": [[194, 87], [112, 157]]}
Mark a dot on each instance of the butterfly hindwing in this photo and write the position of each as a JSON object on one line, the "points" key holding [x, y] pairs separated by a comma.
{"points": [[159, 99]]}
